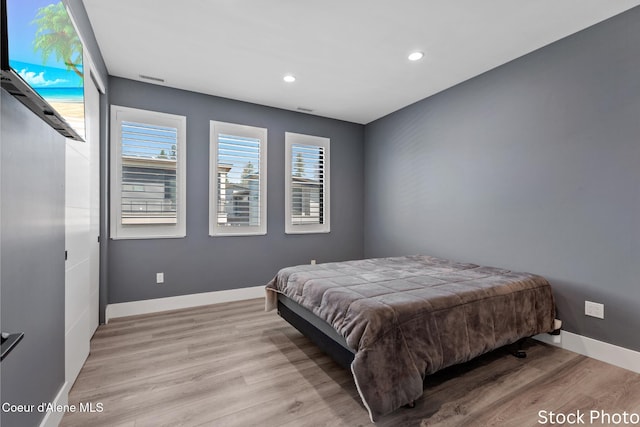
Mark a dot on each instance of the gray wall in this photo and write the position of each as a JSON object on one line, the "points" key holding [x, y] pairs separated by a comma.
{"points": [[533, 166], [32, 266], [199, 263]]}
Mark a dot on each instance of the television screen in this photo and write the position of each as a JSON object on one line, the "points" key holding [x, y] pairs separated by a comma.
{"points": [[45, 51]]}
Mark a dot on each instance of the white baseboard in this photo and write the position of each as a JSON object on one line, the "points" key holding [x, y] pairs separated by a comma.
{"points": [[181, 301], [609, 353], [53, 419]]}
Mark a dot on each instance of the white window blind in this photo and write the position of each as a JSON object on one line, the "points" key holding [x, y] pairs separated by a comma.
{"points": [[149, 166], [238, 179], [148, 169], [307, 186]]}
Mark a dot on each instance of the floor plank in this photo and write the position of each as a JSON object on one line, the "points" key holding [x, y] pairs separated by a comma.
{"points": [[232, 364]]}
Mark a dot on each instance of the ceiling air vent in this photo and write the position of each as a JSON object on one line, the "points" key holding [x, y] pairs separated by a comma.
{"points": [[155, 79]]}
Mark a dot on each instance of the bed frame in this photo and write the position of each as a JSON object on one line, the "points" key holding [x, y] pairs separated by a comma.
{"points": [[317, 330], [332, 343]]}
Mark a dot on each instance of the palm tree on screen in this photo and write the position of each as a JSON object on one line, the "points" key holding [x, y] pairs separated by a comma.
{"points": [[56, 35]]}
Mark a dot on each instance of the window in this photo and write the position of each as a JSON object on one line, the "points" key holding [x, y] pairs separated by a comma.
{"points": [[307, 184], [237, 180], [148, 169]]}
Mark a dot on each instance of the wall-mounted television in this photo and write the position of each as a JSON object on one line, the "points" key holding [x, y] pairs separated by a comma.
{"points": [[42, 63]]}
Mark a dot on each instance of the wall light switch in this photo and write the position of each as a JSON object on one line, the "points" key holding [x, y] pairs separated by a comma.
{"points": [[159, 277]]}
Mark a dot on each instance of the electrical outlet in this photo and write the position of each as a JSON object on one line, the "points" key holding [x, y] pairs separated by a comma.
{"points": [[159, 278], [594, 309], [313, 262]]}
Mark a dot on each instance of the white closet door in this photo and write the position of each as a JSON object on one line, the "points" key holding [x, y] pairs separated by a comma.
{"points": [[82, 228], [77, 238]]}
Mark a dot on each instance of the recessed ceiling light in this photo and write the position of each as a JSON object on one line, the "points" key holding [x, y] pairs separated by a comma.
{"points": [[415, 56], [289, 78]]}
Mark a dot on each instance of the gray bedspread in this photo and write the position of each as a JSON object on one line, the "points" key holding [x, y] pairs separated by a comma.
{"points": [[408, 317]]}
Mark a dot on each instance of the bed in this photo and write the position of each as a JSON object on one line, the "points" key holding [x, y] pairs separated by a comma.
{"points": [[395, 320]]}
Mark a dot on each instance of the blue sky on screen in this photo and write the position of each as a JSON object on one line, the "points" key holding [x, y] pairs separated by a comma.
{"points": [[23, 58]]}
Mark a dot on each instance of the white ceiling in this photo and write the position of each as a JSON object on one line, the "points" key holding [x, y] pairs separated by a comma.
{"points": [[349, 56]]}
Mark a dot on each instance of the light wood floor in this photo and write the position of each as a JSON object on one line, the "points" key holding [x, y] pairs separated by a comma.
{"points": [[233, 364]]}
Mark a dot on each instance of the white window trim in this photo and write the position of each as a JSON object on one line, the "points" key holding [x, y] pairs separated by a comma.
{"points": [[216, 128], [147, 231], [315, 141]]}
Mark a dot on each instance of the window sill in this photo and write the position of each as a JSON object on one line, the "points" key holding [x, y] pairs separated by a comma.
{"points": [[141, 237], [307, 231], [256, 233]]}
